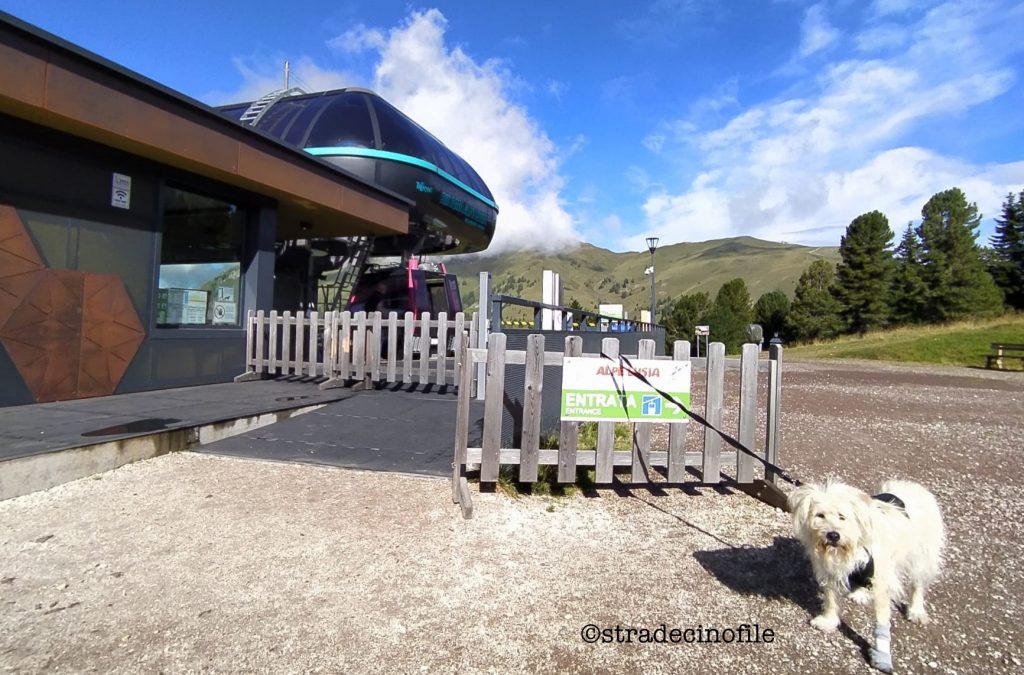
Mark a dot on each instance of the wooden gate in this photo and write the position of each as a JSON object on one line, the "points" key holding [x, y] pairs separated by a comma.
{"points": [[701, 464]]}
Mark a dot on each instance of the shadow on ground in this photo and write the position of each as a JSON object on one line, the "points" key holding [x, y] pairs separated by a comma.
{"points": [[778, 572]]}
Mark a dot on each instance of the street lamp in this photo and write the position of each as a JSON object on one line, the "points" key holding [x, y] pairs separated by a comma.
{"points": [[652, 245]]}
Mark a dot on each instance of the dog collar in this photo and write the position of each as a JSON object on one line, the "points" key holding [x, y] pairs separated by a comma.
{"points": [[861, 576], [890, 498]]}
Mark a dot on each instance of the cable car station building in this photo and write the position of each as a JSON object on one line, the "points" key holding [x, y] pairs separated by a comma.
{"points": [[138, 226]]}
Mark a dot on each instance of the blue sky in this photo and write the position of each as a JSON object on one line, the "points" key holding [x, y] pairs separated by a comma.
{"points": [[609, 121]]}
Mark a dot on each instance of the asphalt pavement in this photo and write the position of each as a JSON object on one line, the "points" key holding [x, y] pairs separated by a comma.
{"points": [[405, 431]]}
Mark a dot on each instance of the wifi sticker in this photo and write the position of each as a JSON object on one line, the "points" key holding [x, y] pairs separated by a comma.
{"points": [[121, 191]]}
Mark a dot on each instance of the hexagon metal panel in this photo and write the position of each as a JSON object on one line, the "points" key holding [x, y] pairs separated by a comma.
{"points": [[43, 335], [20, 262], [111, 334], [70, 334]]}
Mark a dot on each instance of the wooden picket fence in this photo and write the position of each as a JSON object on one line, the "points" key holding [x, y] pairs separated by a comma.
{"points": [[676, 458], [344, 348]]}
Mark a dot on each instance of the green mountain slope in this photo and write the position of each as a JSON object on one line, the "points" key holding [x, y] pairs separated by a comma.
{"points": [[594, 275]]}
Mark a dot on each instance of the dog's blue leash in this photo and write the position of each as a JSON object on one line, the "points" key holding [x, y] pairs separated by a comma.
{"points": [[627, 366]]}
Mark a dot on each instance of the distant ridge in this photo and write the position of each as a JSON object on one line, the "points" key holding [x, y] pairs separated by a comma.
{"points": [[594, 275]]}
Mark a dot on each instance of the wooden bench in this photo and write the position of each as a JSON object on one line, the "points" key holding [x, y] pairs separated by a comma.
{"points": [[1004, 351]]}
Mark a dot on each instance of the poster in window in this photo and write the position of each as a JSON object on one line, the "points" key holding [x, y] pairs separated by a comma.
{"points": [[224, 310], [181, 306]]}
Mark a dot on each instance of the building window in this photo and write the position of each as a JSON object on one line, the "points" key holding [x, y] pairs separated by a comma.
{"points": [[200, 261]]}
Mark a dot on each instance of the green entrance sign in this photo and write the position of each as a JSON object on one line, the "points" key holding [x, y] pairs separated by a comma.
{"points": [[603, 391]]}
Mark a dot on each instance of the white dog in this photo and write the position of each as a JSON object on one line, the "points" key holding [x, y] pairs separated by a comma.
{"points": [[870, 548]]}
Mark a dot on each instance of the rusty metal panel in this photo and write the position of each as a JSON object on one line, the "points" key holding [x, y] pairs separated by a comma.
{"points": [[111, 335], [20, 263]]}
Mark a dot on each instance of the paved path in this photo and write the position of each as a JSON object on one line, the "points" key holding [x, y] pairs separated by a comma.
{"points": [[48, 427], [385, 430]]}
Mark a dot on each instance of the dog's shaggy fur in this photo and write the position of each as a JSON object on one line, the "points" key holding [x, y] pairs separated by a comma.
{"points": [[847, 532]]}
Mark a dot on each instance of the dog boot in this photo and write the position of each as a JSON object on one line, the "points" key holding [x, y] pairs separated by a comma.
{"points": [[881, 653]]}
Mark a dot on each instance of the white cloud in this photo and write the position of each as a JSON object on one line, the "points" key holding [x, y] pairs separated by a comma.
{"points": [[557, 89], [639, 179], [890, 7], [357, 39], [882, 37], [466, 104], [263, 75], [655, 142], [816, 33], [801, 169]]}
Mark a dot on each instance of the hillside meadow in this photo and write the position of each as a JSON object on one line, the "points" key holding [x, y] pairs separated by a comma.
{"points": [[592, 275], [959, 344]]}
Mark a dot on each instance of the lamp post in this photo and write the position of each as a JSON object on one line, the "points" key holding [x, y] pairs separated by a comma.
{"points": [[652, 245]]}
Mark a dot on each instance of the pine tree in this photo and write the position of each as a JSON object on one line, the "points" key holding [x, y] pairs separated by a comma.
{"points": [[959, 286], [1007, 268], [862, 278], [731, 314], [814, 314], [686, 313], [909, 292], [770, 311]]}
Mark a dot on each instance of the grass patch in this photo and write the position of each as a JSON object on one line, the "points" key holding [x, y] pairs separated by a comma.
{"points": [[546, 485], [588, 436], [957, 344]]}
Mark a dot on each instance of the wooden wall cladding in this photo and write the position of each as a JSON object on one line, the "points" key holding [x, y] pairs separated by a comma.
{"points": [[70, 334]]}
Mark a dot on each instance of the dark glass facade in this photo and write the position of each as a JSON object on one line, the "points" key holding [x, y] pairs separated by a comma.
{"points": [[346, 118], [93, 277]]}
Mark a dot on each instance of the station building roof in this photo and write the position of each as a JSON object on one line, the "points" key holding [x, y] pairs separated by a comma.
{"points": [[55, 84]]}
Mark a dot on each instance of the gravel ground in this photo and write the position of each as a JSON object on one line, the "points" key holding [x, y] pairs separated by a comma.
{"points": [[190, 563]]}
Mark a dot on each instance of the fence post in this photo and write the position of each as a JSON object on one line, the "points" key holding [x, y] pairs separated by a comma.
{"points": [[748, 412], [359, 347], [457, 342], [604, 465], [490, 454], [774, 409], [329, 356], [334, 349], [343, 367], [460, 487], [568, 437], [424, 358], [392, 346], [483, 329], [677, 432], [408, 328], [272, 367], [533, 390], [442, 349], [640, 471], [711, 465], [314, 330], [252, 370], [286, 342], [260, 339], [300, 332], [250, 325], [373, 351]]}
